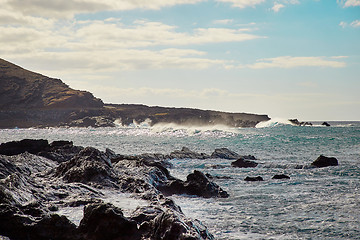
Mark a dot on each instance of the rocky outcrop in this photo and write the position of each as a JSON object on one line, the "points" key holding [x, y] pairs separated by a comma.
{"points": [[298, 123], [35, 190], [244, 163], [280, 176], [105, 221], [323, 161], [187, 153], [254, 179], [224, 153], [196, 184], [325, 124]]}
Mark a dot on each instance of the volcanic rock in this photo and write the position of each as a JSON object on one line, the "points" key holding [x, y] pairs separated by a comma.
{"points": [[26, 145], [90, 165], [280, 176], [224, 153], [196, 184], [187, 153], [243, 163], [323, 161], [105, 221], [34, 190], [253, 179]]}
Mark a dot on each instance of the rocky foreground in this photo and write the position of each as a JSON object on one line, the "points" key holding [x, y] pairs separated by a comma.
{"points": [[62, 191], [39, 181], [29, 99]]}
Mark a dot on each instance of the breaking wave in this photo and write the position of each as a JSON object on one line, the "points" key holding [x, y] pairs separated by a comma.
{"points": [[173, 127], [273, 123]]}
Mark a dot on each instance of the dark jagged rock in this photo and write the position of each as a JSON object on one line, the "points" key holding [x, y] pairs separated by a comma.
{"points": [[323, 161], [187, 153], [90, 165], [105, 221], [163, 223], [225, 154], [297, 123], [280, 176], [243, 163], [209, 176], [253, 179], [34, 190], [325, 124], [196, 184], [61, 151], [26, 145]]}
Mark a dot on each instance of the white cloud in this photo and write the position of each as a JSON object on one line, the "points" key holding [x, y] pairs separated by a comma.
{"points": [[67, 9], [277, 7], [349, 3], [112, 45], [355, 23], [243, 3], [342, 24], [223, 21], [292, 62]]}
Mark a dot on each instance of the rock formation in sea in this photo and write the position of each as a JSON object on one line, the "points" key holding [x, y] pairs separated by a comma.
{"points": [[244, 163], [29, 99], [40, 181], [323, 161]]}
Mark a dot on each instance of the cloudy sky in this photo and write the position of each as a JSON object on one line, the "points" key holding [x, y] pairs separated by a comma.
{"points": [[286, 58]]}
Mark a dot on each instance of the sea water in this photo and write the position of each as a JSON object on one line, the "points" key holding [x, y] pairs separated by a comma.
{"points": [[315, 203]]}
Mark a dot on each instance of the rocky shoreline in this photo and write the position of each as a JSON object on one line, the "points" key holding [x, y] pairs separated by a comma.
{"points": [[43, 185], [38, 180]]}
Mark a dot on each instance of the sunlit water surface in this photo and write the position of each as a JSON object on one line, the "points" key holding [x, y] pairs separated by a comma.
{"points": [[319, 203]]}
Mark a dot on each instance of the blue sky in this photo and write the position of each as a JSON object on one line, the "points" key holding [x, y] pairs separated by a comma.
{"points": [[286, 58]]}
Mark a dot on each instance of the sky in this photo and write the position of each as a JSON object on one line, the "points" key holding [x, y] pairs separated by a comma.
{"points": [[285, 58]]}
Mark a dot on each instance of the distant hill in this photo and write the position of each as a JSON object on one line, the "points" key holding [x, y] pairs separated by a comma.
{"points": [[20, 88], [29, 99]]}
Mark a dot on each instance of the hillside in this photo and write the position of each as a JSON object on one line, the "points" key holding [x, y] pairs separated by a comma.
{"points": [[29, 99], [23, 89]]}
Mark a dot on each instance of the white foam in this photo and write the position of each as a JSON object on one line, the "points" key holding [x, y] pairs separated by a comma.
{"points": [[273, 122]]}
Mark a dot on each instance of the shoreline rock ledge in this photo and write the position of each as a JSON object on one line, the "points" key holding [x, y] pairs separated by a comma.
{"points": [[60, 191]]}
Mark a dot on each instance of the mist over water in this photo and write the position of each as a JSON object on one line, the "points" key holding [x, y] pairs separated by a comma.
{"points": [[315, 203]]}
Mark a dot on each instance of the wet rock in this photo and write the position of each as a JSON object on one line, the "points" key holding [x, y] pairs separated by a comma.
{"points": [[323, 161], [105, 221], [163, 223], [297, 123], [187, 153], [209, 176], [61, 151], [243, 163], [34, 188], [280, 176], [90, 165], [325, 124], [224, 153], [196, 184], [253, 179], [26, 145]]}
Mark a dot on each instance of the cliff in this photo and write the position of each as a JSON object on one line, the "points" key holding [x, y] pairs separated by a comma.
{"points": [[29, 99]]}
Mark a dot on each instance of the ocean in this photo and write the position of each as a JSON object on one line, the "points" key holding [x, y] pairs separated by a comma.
{"points": [[315, 203]]}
